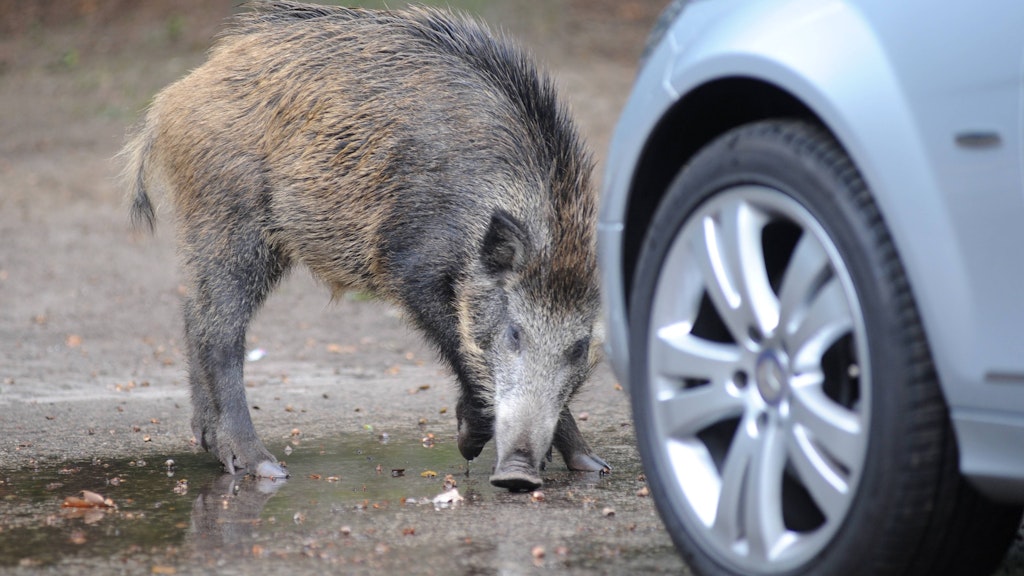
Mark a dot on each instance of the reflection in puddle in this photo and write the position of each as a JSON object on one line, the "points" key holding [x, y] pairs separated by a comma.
{"points": [[183, 506]]}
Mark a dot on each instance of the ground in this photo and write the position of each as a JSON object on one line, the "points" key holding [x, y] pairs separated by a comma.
{"points": [[92, 376], [92, 379]]}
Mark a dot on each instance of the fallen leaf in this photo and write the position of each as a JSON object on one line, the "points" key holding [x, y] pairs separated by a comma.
{"points": [[428, 474], [92, 498], [159, 569], [73, 341], [89, 499], [643, 492]]}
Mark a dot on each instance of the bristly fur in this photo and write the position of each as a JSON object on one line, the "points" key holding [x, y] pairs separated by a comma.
{"points": [[373, 147]]}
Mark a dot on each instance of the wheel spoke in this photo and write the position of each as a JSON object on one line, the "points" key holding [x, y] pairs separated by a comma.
{"points": [[829, 491], [807, 270], [678, 353], [729, 521], [731, 260], [836, 429], [764, 525], [749, 508], [687, 412], [827, 319]]}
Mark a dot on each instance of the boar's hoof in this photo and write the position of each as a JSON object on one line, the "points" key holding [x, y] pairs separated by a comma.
{"points": [[270, 470], [516, 476], [587, 463]]}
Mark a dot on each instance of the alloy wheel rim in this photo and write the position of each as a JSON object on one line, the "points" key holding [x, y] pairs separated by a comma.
{"points": [[760, 380]]}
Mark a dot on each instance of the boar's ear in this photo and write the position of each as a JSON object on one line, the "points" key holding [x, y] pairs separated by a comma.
{"points": [[505, 244]]}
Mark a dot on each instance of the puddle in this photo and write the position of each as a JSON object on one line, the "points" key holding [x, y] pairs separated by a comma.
{"points": [[349, 499], [159, 505]]}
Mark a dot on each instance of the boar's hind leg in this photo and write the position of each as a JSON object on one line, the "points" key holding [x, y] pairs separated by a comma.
{"points": [[231, 275], [574, 449]]}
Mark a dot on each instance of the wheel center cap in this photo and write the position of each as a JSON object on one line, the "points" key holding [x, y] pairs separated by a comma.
{"points": [[772, 382]]}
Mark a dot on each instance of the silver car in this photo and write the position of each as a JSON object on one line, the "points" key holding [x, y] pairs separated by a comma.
{"points": [[812, 249]]}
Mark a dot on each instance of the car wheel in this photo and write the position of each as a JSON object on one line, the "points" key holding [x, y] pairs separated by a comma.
{"points": [[787, 411]]}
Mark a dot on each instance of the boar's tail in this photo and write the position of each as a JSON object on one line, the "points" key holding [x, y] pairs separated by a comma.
{"points": [[133, 176]]}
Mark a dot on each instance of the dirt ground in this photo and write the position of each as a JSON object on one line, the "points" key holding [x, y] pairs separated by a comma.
{"points": [[89, 318], [91, 367]]}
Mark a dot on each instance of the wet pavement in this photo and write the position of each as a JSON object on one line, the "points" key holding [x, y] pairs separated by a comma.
{"points": [[374, 503]]}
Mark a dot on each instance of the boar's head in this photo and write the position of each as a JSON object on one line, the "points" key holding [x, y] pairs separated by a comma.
{"points": [[528, 322]]}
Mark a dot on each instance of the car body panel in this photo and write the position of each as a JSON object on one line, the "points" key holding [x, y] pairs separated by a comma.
{"points": [[933, 121]]}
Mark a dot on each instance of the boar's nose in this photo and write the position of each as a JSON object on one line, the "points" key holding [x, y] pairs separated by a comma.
{"points": [[517, 473]]}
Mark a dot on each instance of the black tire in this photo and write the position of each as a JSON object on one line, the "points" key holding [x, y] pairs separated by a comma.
{"points": [[908, 490]]}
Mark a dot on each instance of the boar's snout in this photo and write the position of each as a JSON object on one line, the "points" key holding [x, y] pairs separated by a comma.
{"points": [[524, 427], [517, 472]]}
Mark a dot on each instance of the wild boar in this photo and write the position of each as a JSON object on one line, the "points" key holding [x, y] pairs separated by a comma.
{"points": [[413, 154]]}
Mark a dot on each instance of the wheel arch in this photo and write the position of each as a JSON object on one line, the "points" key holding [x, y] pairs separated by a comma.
{"points": [[692, 122]]}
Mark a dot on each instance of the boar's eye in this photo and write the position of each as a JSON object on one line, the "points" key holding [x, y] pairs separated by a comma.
{"points": [[579, 350], [515, 337]]}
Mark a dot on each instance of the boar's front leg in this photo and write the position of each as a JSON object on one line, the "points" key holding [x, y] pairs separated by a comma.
{"points": [[476, 426], [229, 282], [574, 449]]}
